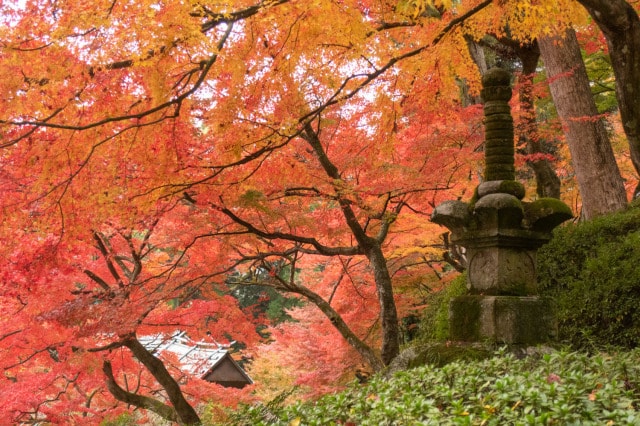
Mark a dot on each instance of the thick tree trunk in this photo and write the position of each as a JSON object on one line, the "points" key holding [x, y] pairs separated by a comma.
{"points": [[388, 313], [597, 173], [620, 24]]}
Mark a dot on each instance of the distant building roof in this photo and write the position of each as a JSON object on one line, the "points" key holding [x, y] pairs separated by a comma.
{"points": [[208, 361]]}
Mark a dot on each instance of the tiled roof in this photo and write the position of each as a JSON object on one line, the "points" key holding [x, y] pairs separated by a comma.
{"points": [[197, 358]]}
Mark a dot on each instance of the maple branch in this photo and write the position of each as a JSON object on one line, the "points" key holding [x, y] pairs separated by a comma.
{"points": [[136, 260], [147, 236], [205, 67], [29, 132], [345, 272], [9, 334], [321, 249], [370, 247], [36, 352], [102, 246], [311, 136], [301, 191], [459, 20], [102, 283], [367, 78], [232, 17], [386, 220], [89, 397], [176, 188], [36, 412], [198, 281], [274, 280], [165, 411], [63, 185], [336, 320], [114, 345]]}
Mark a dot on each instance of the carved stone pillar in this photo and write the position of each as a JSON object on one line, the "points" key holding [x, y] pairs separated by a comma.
{"points": [[501, 234]]}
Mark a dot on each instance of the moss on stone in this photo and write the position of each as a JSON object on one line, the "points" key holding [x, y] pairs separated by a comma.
{"points": [[545, 214], [525, 320], [512, 187], [464, 318], [496, 77], [500, 201], [434, 324]]}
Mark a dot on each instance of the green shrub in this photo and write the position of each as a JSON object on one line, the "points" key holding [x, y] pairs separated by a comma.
{"points": [[557, 388], [434, 325], [591, 269]]}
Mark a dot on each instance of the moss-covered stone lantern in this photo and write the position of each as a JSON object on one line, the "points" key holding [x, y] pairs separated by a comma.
{"points": [[501, 235]]}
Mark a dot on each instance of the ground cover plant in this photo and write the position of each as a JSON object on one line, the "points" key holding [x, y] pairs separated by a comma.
{"points": [[557, 387]]}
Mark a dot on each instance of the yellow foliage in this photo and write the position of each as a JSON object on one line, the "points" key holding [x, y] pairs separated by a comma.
{"points": [[423, 8], [526, 20]]}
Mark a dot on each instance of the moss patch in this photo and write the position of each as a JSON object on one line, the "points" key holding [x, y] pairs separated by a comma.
{"points": [[464, 318], [545, 214]]}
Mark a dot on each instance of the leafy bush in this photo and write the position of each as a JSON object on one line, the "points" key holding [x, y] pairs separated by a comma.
{"points": [[555, 388], [434, 325], [591, 269]]}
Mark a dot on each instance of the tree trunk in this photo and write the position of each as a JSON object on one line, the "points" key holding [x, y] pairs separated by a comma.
{"points": [[597, 173], [547, 181], [389, 316], [372, 249], [476, 51], [621, 26], [184, 411]]}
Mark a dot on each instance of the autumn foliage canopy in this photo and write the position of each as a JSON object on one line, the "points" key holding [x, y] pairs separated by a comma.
{"points": [[156, 157]]}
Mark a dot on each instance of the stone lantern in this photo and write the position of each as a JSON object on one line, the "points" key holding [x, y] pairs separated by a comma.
{"points": [[501, 235]]}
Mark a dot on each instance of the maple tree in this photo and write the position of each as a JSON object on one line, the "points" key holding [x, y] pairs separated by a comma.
{"points": [[127, 284], [126, 172], [152, 150]]}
